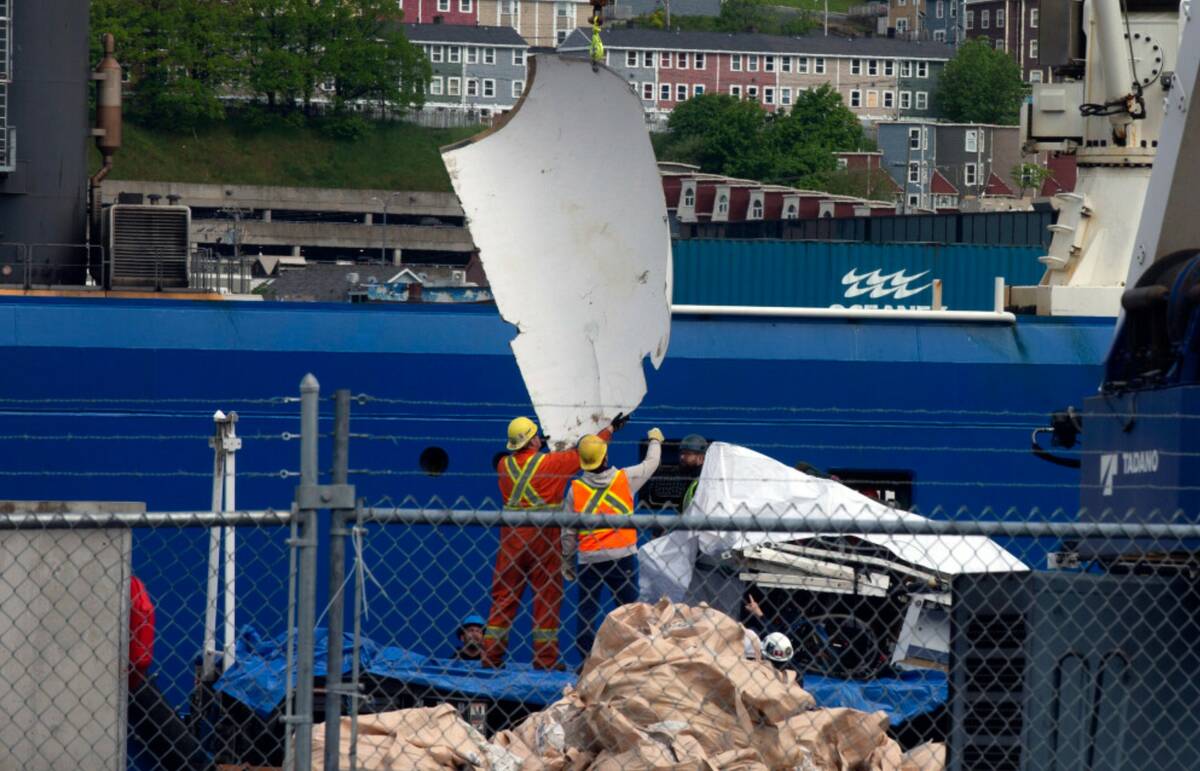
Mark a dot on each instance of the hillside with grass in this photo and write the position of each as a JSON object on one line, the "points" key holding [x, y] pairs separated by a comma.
{"points": [[388, 155]]}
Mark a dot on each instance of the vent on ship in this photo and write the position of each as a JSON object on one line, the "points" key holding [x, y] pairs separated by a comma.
{"points": [[147, 246]]}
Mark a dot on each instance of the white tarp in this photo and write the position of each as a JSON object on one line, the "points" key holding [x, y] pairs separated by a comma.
{"points": [[737, 480], [566, 206]]}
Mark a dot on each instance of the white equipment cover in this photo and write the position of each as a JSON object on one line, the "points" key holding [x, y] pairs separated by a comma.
{"points": [[565, 203], [736, 480]]}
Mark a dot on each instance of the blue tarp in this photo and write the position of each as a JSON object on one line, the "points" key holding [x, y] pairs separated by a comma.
{"points": [[257, 679], [911, 694]]}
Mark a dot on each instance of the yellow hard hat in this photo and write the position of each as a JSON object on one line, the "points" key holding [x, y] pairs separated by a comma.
{"points": [[592, 450], [521, 432]]}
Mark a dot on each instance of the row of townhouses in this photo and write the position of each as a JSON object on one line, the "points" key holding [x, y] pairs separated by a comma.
{"points": [[483, 68]]}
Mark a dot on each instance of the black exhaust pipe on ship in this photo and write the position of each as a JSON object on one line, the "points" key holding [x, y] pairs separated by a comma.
{"points": [[107, 75]]}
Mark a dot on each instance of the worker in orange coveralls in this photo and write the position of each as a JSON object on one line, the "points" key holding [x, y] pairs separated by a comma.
{"points": [[531, 481]]}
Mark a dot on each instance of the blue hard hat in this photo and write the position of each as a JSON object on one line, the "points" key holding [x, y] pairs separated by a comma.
{"points": [[472, 620]]}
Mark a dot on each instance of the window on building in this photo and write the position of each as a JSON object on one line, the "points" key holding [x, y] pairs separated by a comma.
{"points": [[802, 65], [489, 56], [464, 6], [698, 89], [472, 55], [631, 59], [872, 98], [664, 59], [648, 92], [970, 20], [902, 2], [509, 7], [664, 92], [1033, 17], [902, 25], [785, 96], [842, 163], [872, 66], [454, 54], [905, 100], [914, 200], [791, 212], [689, 197], [435, 85], [648, 59], [819, 65], [906, 69], [681, 60], [735, 62], [443, 6], [768, 64], [889, 99], [752, 93], [953, 9], [518, 57], [971, 142], [681, 92], [914, 139], [970, 175], [856, 66], [472, 86], [914, 173], [855, 98], [939, 35], [435, 54], [1035, 76], [768, 95], [922, 100], [518, 88], [889, 68], [999, 43], [985, 19], [939, 9], [489, 88], [785, 63], [735, 92], [1033, 48], [752, 62], [999, 18], [756, 209], [722, 204], [564, 10], [922, 69], [698, 60], [453, 87]]}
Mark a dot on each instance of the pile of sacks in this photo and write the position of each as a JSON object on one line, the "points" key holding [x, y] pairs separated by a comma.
{"points": [[667, 686]]}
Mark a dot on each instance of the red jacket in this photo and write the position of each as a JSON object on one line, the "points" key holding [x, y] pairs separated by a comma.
{"points": [[141, 626], [553, 475]]}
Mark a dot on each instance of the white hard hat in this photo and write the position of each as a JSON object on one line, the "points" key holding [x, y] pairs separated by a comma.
{"points": [[777, 647]]}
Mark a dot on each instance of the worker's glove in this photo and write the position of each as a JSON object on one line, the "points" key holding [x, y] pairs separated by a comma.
{"points": [[655, 435], [619, 421]]}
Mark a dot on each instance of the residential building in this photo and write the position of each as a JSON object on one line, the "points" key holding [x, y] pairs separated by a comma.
{"points": [[938, 164], [1010, 26], [939, 21], [878, 78], [476, 69], [867, 171]]}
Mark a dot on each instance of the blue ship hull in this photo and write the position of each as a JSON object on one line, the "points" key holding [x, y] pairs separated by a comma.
{"points": [[954, 404]]}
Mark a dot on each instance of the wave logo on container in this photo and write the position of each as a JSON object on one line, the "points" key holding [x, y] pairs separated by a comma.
{"points": [[879, 284]]}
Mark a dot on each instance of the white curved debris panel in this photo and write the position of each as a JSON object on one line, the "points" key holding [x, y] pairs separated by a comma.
{"points": [[738, 480], [566, 206]]}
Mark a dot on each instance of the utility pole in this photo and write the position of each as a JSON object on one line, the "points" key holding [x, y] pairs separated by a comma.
{"points": [[826, 18]]}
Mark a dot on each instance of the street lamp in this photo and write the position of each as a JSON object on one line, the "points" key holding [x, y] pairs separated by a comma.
{"points": [[383, 234]]}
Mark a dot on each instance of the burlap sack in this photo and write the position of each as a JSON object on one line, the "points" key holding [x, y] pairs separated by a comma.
{"points": [[431, 739], [930, 756]]}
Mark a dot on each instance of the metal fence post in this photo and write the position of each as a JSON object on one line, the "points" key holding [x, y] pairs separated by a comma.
{"points": [[310, 394], [337, 578]]}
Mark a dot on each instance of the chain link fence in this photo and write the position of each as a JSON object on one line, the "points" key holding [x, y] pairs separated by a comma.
{"points": [[739, 613]]}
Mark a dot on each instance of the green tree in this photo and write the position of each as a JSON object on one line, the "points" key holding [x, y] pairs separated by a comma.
{"points": [[803, 141], [721, 134], [981, 85], [1029, 176], [368, 56]]}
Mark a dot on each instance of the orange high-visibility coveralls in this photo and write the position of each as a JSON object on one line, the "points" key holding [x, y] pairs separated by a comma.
{"points": [[530, 555]]}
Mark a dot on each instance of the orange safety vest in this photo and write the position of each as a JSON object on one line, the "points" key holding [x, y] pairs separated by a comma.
{"points": [[615, 500], [523, 497]]}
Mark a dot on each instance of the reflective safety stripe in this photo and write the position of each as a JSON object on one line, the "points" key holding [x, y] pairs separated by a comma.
{"points": [[606, 495], [523, 496], [496, 632], [545, 635]]}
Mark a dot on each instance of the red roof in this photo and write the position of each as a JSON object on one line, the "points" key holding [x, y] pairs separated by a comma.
{"points": [[939, 185], [997, 186]]}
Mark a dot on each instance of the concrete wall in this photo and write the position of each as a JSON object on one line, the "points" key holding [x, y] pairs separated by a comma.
{"points": [[64, 621]]}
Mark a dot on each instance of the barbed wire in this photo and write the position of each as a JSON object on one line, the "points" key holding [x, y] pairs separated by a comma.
{"points": [[151, 400], [280, 474]]}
